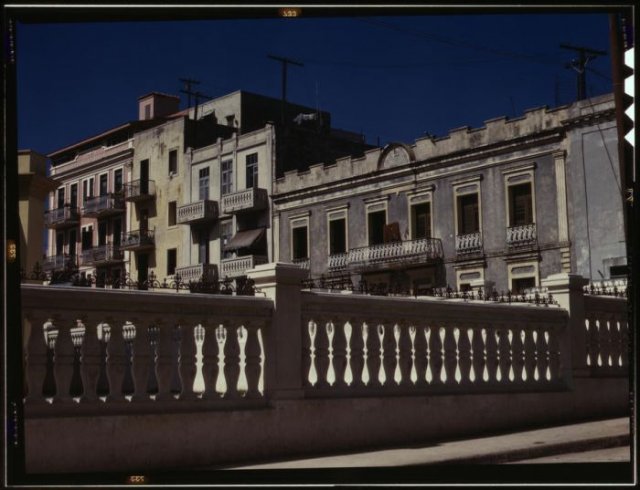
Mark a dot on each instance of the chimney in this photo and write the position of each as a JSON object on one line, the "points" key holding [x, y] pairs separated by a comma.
{"points": [[157, 104]]}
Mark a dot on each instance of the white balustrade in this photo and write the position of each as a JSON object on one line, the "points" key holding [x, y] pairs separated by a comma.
{"points": [[429, 248], [238, 266], [518, 236], [245, 200], [606, 327], [197, 212], [469, 243], [197, 272]]}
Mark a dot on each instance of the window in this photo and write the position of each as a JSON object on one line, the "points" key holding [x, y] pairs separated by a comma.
{"points": [[60, 243], [421, 220], [173, 162], [91, 187], [523, 276], [61, 198], [87, 237], [73, 201], [520, 205], [226, 231], [226, 177], [523, 283], [203, 184], [147, 111], [300, 249], [103, 184], [102, 233], [376, 222], [117, 231], [117, 180], [171, 261], [337, 236], [172, 213], [468, 214], [73, 238], [203, 246], [252, 171]]}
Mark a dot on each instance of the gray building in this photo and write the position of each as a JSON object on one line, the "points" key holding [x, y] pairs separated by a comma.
{"points": [[501, 206]]}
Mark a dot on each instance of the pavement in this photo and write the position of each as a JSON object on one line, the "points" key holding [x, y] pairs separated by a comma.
{"points": [[596, 441]]}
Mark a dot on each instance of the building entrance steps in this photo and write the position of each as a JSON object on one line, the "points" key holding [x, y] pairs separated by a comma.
{"points": [[587, 438]]}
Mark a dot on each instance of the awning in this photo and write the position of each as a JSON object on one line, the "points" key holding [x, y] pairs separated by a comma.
{"points": [[244, 239]]}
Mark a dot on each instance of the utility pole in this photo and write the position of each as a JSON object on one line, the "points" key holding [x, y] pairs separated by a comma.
{"points": [[188, 82], [285, 62], [579, 66]]}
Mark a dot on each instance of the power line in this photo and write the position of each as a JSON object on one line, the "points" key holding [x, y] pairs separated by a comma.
{"points": [[579, 66]]}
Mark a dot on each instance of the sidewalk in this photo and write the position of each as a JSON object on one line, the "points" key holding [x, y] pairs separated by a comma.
{"points": [[584, 442]]}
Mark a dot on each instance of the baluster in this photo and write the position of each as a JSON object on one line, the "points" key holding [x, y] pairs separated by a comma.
{"points": [[49, 386], [141, 353], [623, 325], [413, 374], [253, 355], [348, 372], [449, 354], [428, 374], [384, 354], [243, 385], [76, 390], [589, 327], [554, 367], [598, 343], [366, 378], [90, 361], [198, 386], [221, 340], [542, 350], [322, 353], [129, 335], [478, 361], [176, 387], [530, 361], [115, 361], [209, 361], [492, 356], [397, 374], [153, 340], [504, 350], [420, 346], [188, 363], [231, 361], [312, 330], [465, 357], [606, 342], [374, 350], [517, 355], [36, 356], [63, 362], [339, 352], [103, 334], [437, 355], [308, 351], [356, 348]]}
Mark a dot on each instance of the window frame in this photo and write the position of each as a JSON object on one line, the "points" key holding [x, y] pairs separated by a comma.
{"points": [[297, 222], [466, 187], [511, 275], [226, 172], [373, 206], [416, 198], [170, 252], [335, 214], [254, 172], [172, 214], [172, 171], [514, 176]]}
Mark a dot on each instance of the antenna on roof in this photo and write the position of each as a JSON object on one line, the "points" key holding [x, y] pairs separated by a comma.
{"points": [[188, 82], [579, 66], [285, 62]]}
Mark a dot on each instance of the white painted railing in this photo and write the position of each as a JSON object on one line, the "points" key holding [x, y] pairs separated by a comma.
{"points": [[520, 236], [606, 327], [110, 346], [469, 243], [355, 344], [338, 261], [246, 200], [197, 272], [197, 211], [422, 249], [238, 266]]}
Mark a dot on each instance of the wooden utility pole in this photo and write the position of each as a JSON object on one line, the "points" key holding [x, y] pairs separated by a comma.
{"points": [[285, 62], [188, 82], [579, 65]]}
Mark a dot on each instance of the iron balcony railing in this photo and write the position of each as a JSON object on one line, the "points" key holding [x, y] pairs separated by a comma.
{"points": [[407, 251], [253, 199], [102, 254], [137, 240], [198, 212], [522, 236], [238, 266], [198, 272], [59, 262], [139, 190], [65, 216], [104, 205], [469, 244]]}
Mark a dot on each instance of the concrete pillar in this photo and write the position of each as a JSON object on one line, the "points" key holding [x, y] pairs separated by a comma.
{"points": [[283, 341], [567, 290]]}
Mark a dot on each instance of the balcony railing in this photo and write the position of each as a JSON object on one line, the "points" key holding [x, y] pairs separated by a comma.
{"points": [[302, 263], [338, 261], [138, 240], [198, 212], [253, 199], [521, 236], [469, 244], [208, 272], [238, 267], [102, 254], [402, 252], [105, 205], [139, 190], [58, 262], [63, 217]]}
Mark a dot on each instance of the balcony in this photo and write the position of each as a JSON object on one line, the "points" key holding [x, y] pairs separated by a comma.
{"points": [[139, 190], [64, 217], [302, 263], [238, 267], [58, 262], [106, 205], [253, 199], [522, 237], [101, 255], [138, 240], [337, 262], [198, 212], [393, 254], [208, 272], [469, 245]]}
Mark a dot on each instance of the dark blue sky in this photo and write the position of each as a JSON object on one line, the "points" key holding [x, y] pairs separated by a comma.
{"points": [[392, 78]]}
